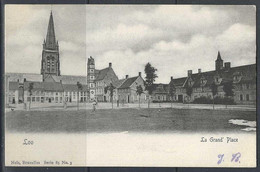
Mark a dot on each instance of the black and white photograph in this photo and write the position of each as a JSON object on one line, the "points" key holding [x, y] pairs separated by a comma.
{"points": [[130, 85]]}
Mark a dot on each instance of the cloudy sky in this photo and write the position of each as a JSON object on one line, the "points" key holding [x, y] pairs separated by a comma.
{"points": [[173, 39]]}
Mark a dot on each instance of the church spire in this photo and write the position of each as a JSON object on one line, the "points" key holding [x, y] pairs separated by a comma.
{"points": [[218, 62], [219, 56], [50, 38]]}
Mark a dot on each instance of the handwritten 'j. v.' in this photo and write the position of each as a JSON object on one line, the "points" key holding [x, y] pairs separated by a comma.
{"points": [[235, 158]]}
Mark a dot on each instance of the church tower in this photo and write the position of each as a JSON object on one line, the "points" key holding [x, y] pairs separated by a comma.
{"points": [[218, 63], [91, 77], [50, 65]]}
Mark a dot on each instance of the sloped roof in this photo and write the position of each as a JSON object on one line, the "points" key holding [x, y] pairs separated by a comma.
{"points": [[66, 79], [71, 79], [21, 76], [128, 82], [248, 73], [161, 88], [13, 85], [100, 74], [73, 87], [118, 83], [44, 86]]}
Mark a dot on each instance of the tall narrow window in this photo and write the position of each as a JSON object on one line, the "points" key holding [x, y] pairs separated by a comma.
{"points": [[241, 97], [247, 97]]}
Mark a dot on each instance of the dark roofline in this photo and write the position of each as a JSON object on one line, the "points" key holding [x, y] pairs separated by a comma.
{"points": [[215, 70]]}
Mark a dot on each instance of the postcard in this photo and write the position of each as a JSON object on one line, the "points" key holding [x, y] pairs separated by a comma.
{"points": [[130, 85]]}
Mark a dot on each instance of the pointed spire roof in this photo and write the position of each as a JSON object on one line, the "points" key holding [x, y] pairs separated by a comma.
{"points": [[50, 38], [219, 56]]}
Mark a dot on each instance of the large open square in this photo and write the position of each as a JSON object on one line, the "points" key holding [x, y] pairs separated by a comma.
{"points": [[128, 119]]}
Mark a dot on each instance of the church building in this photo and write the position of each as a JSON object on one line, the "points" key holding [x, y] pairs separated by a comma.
{"points": [[50, 86]]}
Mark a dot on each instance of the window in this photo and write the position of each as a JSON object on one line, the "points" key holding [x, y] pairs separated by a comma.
{"points": [[91, 85], [247, 97], [33, 99], [241, 97], [247, 86], [28, 99]]}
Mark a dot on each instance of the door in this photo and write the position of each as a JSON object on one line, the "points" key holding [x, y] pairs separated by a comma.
{"points": [[180, 98]]}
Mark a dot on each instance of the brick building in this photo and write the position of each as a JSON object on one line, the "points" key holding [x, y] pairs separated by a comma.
{"points": [[126, 92], [49, 86], [242, 77]]}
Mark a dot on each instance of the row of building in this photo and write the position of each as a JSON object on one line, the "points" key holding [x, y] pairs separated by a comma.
{"points": [[51, 87]]}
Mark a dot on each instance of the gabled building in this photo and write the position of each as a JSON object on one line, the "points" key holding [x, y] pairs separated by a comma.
{"points": [[242, 77], [49, 86], [161, 93], [127, 90], [98, 80]]}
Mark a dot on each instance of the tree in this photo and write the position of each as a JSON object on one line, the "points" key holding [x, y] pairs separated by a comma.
{"points": [[79, 85], [214, 90], [149, 80], [110, 88], [30, 93], [139, 91], [228, 89], [171, 91]]}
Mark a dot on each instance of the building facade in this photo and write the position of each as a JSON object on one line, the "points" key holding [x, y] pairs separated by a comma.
{"points": [[98, 80], [126, 92], [243, 79], [49, 86]]}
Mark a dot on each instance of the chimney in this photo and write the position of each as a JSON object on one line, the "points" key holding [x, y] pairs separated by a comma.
{"points": [[110, 65], [227, 65], [139, 74], [126, 76], [171, 78], [17, 80], [189, 72], [24, 80], [199, 70]]}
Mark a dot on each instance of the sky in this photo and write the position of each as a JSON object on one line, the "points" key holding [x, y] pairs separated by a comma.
{"points": [[173, 38]]}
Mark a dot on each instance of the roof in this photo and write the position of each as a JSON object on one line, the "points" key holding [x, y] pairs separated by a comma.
{"points": [[161, 88], [128, 82], [50, 38], [118, 83], [44, 86], [21, 76], [13, 85], [66, 79], [73, 87], [71, 79], [101, 74], [248, 73]]}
